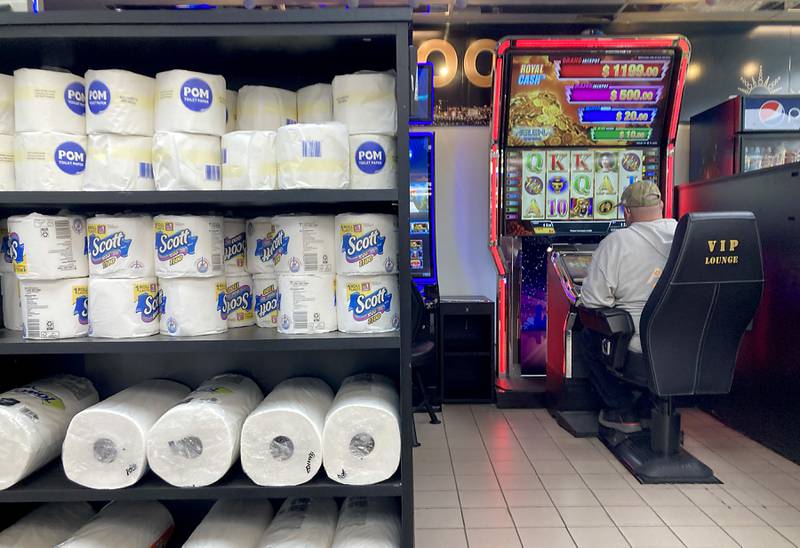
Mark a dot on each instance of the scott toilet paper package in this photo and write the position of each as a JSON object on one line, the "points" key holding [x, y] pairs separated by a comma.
{"points": [[119, 162], [307, 303], [373, 161], [231, 104], [125, 524], [248, 161], [48, 247], [190, 102], [5, 249], [282, 438], [315, 104], [7, 176], [366, 102], [263, 108], [120, 246], [232, 523], [12, 306], [368, 522], [268, 300], [47, 525], [188, 246], [235, 246], [183, 161], [361, 439], [367, 304], [119, 102], [302, 523], [368, 243], [264, 246], [302, 244], [105, 445], [313, 156], [192, 306], [237, 304], [55, 309], [122, 308], [196, 442], [47, 100], [46, 161], [6, 104], [34, 420]]}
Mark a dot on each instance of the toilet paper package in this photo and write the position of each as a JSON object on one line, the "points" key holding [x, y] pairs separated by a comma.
{"points": [[232, 523], [119, 162], [188, 246], [307, 303], [282, 438], [48, 247], [192, 306], [366, 102], [302, 523], [190, 102], [315, 104], [122, 308], [105, 445], [302, 244], [313, 156], [268, 301], [196, 442], [12, 306], [248, 161], [238, 301], [264, 246], [182, 161], [367, 243], [263, 108], [6, 265], [45, 161], [235, 246], [361, 438], [34, 422], [231, 104], [367, 304], [6, 104], [373, 161], [125, 524], [55, 309], [119, 102], [47, 525], [120, 246], [47, 100], [7, 176], [368, 522]]}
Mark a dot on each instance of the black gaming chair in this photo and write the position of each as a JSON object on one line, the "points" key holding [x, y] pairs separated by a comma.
{"points": [[690, 330]]}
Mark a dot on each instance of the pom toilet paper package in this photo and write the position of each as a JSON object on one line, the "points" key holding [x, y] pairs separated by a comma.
{"points": [[55, 309], [188, 246], [192, 306], [302, 244], [182, 161], [315, 104], [302, 523], [361, 439], [307, 303], [313, 156], [46, 161], [237, 304], [119, 102], [125, 524], [123, 307], [47, 525], [120, 246], [232, 523], [248, 161], [190, 102], [368, 243], [105, 445], [47, 247], [231, 104], [368, 522], [6, 104], [7, 176], [367, 304], [119, 162], [263, 108], [196, 442], [12, 306], [34, 422], [264, 246], [366, 102], [282, 438], [235, 246], [268, 300], [47, 100], [373, 161]]}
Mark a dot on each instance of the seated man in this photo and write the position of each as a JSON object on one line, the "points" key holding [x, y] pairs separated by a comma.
{"points": [[623, 273]]}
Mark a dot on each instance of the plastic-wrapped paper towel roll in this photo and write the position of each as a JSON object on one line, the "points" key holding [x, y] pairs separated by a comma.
{"points": [[361, 439], [237, 304], [282, 438], [232, 523], [123, 308], [119, 162], [268, 300], [47, 100], [125, 524], [235, 246], [367, 304], [119, 102], [302, 523], [368, 243], [307, 303], [12, 306], [188, 246], [373, 161], [6, 104], [307, 244], [192, 306], [315, 104], [34, 422], [49, 161], [248, 161], [231, 104], [365, 102], [48, 247], [106, 444], [264, 246], [55, 309], [183, 161], [263, 108], [368, 522], [120, 246], [313, 156], [49, 524], [190, 102], [196, 442], [7, 176]]}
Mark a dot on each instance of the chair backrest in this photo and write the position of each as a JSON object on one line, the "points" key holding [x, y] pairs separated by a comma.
{"points": [[417, 311], [707, 294]]}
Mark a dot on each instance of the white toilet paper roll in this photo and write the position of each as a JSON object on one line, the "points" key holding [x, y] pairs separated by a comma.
{"points": [[6, 265], [105, 445], [373, 161], [6, 104], [268, 302], [232, 523], [46, 100], [307, 303], [313, 156], [264, 246], [183, 161], [196, 442], [368, 522], [282, 438], [123, 308], [7, 176], [263, 108], [48, 247], [302, 523], [231, 104], [192, 306], [307, 244], [125, 524], [248, 161], [190, 102], [54, 309], [315, 104], [367, 304], [119, 102], [237, 304], [119, 162], [188, 246], [365, 102], [47, 525], [368, 243], [49, 161], [34, 422], [235, 246], [120, 246], [361, 439], [12, 306]]}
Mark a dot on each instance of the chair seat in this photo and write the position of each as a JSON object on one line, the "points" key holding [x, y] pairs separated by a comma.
{"points": [[420, 350], [636, 369]]}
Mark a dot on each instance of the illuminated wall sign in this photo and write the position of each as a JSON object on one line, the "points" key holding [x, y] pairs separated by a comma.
{"points": [[444, 75]]}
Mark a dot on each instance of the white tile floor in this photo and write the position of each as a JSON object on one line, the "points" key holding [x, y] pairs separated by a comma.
{"points": [[515, 479]]}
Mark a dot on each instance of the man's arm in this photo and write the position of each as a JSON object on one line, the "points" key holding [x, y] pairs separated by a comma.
{"points": [[597, 290]]}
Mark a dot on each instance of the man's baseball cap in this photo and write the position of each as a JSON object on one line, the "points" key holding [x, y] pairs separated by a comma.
{"points": [[641, 194]]}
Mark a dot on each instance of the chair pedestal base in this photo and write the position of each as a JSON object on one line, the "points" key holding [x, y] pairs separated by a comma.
{"points": [[581, 424]]}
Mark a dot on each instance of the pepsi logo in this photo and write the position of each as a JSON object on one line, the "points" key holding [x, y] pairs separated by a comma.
{"points": [[772, 113]]}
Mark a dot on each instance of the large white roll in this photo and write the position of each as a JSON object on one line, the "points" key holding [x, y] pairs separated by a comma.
{"points": [[123, 308], [231, 104], [125, 524], [188, 246], [190, 102], [192, 306], [263, 108], [106, 444], [120, 246], [282, 438], [196, 442], [268, 301], [46, 161], [307, 303], [313, 156], [119, 102], [237, 304], [184, 161], [7, 176], [315, 104], [48, 247], [361, 439], [368, 243], [367, 304], [302, 523], [119, 162], [365, 102], [34, 421], [368, 522], [235, 246], [307, 244], [46, 100], [373, 161], [55, 309], [12, 306], [248, 161], [264, 246], [6, 104], [47, 525], [232, 523]]}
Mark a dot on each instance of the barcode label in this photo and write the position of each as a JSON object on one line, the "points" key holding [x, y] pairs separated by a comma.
{"points": [[62, 230], [213, 173], [310, 262], [312, 149], [33, 329], [216, 260], [146, 170], [300, 319]]}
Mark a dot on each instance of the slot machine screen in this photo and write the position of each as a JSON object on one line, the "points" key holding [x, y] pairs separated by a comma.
{"points": [[422, 230]]}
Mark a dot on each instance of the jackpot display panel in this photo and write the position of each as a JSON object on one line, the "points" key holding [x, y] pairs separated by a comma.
{"points": [[422, 245]]}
